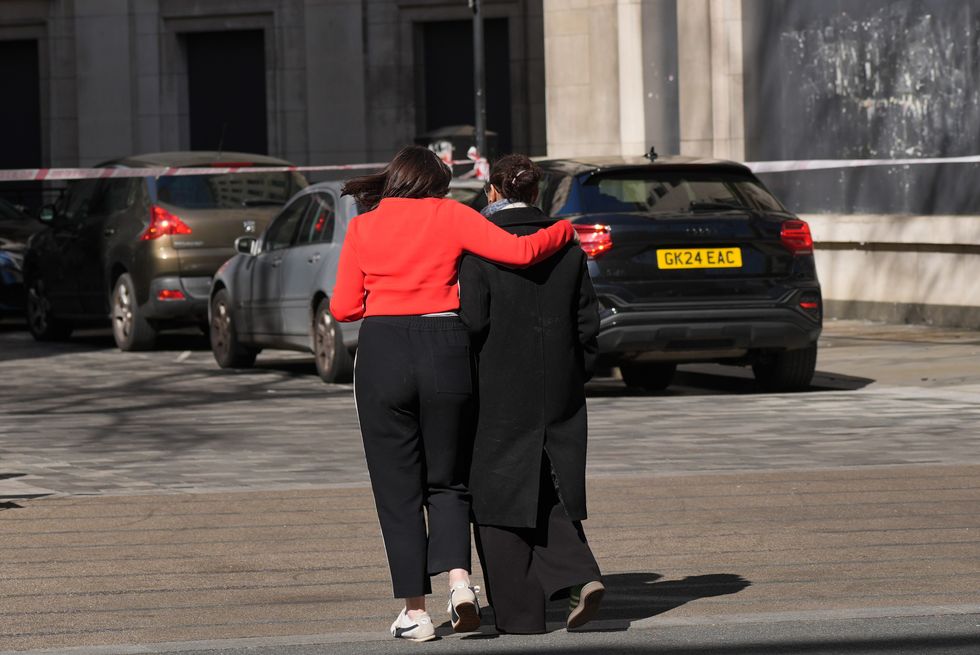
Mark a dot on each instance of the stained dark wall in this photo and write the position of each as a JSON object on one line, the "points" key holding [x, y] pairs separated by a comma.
{"points": [[832, 79]]}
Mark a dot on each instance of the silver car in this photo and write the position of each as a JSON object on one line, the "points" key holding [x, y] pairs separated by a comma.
{"points": [[276, 292]]}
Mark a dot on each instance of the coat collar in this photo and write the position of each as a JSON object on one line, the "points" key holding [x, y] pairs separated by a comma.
{"points": [[521, 216]]}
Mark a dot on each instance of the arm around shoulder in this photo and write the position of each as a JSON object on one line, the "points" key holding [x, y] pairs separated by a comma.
{"points": [[482, 237]]}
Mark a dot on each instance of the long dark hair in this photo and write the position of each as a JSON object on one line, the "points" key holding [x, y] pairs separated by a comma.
{"points": [[415, 172], [516, 177]]}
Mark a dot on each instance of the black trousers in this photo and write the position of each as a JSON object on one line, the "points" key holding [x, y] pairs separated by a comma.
{"points": [[524, 568], [413, 387]]}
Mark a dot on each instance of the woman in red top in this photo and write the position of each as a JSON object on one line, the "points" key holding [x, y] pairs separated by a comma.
{"points": [[413, 378]]}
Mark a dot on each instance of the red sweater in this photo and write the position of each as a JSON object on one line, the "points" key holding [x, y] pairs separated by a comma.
{"points": [[403, 257]]}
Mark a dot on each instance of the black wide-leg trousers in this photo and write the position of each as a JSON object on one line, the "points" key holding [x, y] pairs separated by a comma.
{"points": [[413, 385], [524, 568]]}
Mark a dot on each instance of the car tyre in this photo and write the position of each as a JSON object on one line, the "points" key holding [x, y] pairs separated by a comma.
{"points": [[649, 377], [788, 370], [228, 351], [333, 361], [40, 318], [130, 328]]}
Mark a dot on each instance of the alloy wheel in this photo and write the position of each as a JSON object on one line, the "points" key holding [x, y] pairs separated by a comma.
{"points": [[326, 340], [38, 307], [220, 327], [122, 312]]}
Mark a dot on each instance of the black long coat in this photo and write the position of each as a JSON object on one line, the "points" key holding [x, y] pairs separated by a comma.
{"points": [[534, 333]]}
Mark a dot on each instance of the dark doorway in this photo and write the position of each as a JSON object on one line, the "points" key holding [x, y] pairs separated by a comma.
{"points": [[226, 90], [445, 92], [20, 117]]}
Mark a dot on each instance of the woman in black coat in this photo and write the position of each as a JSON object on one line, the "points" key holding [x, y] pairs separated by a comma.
{"points": [[534, 334]]}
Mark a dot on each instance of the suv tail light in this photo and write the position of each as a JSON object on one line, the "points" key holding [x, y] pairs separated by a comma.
{"points": [[163, 222], [796, 237], [810, 303], [594, 239]]}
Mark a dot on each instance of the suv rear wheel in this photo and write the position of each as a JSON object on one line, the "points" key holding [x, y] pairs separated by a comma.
{"points": [[333, 360], [130, 328], [43, 325], [650, 377], [789, 370], [228, 351]]}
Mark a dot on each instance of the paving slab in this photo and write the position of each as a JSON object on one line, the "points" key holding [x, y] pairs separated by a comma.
{"points": [[151, 502], [277, 564]]}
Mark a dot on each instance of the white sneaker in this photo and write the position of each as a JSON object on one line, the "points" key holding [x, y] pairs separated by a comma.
{"points": [[464, 609], [417, 629], [583, 603]]}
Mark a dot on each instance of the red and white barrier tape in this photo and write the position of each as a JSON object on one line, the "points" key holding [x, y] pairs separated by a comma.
{"points": [[824, 164], [49, 174]]}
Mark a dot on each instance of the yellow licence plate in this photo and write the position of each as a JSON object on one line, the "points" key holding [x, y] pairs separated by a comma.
{"points": [[700, 258]]}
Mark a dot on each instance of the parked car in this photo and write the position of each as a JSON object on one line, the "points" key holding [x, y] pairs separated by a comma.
{"points": [[275, 292], [141, 251], [469, 191], [16, 228], [693, 260]]}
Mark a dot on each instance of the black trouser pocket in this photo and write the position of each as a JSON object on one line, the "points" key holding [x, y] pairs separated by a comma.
{"points": [[451, 369]]}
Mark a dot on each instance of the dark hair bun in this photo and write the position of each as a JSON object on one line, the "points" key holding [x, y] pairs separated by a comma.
{"points": [[516, 177]]}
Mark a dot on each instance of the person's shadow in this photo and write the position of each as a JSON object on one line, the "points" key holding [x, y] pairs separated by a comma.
{"points": [[633, 596], [630, 597]]}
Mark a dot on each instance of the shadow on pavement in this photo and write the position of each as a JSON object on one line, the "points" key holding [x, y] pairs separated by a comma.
{"points": [[717, 379], [690, 380], [630, 597], [12, 324], [186, 339], [635, 596], [90, 340]]}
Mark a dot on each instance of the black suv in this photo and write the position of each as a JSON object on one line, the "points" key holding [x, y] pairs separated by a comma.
{"points": [[141, 250], [693, 260]]}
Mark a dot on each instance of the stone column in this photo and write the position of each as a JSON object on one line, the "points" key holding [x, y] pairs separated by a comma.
{"points": [[710, 66], [582, 77], [104, 78], [661, 113], [594, 77], [335, 80], [632, 119]]}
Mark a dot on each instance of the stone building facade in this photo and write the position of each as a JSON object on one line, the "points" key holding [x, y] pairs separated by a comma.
{"points": [[328, 81], [341, 79], [336, 81]]}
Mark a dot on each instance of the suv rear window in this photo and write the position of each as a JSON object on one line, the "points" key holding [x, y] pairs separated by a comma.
{"points": [[231, 191], [668, 192]]}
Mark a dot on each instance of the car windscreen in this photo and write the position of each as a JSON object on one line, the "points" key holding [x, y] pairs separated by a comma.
{"points": [[231, 191], [471, 196], [677, 191]]}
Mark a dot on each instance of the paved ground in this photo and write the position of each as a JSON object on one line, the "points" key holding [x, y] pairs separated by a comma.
{"points": [[153, 499]]}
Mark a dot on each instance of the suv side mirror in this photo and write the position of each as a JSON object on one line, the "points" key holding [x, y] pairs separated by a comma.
{"points": [[47, 214], [245, 245]]}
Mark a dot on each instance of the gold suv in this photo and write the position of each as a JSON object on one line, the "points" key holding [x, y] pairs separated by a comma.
{"points": [[142, 250]]}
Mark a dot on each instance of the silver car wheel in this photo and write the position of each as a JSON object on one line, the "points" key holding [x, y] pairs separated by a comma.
{"points": [[326, 340], [122, 312], [220, 327]]}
